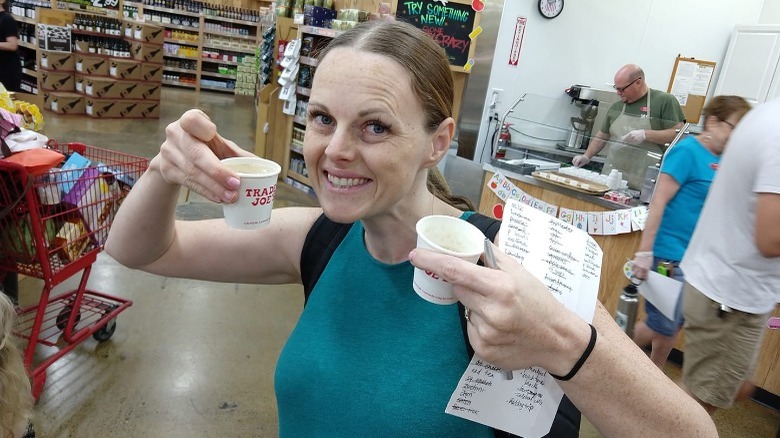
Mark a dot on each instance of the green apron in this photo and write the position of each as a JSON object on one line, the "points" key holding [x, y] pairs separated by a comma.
{"points": [[632, 160]]}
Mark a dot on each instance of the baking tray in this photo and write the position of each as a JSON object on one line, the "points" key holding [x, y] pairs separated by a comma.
{"points": [[571, 182]]}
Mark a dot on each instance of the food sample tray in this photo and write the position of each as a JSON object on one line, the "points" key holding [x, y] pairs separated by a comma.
{"points": [[571, 182]]}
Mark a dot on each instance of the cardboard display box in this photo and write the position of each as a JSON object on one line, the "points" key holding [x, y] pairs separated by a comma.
{"points": [[107, 87], [143, 32], [148, 91], [63, 102], [146, 52], [57, 81], [115, 108], [152, 72], [95, 65], [60, 61], [127, 69]]}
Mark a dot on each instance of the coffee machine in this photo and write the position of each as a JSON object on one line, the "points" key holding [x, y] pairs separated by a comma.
{"points": [[582, 125]]}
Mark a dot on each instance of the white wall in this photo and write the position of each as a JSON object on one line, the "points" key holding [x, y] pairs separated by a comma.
{"points": [[771, 12], [592, 39]]}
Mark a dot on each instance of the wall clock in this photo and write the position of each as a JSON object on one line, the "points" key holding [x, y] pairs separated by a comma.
{"points": [[550, 8]]}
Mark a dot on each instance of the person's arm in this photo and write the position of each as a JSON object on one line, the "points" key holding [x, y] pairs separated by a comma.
{"points": [[10, 44], [594, 147], [767, 230], [144, 234], [662, 136], [665, 189], [515, 322]]}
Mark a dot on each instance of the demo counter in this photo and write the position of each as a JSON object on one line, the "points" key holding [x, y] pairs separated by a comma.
{"points": [[618, 249]]}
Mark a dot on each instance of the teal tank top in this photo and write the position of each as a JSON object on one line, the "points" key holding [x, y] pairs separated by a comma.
{"points": [[368, 357]]}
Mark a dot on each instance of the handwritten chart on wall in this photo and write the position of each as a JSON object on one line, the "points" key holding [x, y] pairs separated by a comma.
{"points": [[448, 25]]}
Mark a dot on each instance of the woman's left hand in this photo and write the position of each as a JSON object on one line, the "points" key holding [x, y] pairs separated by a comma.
{"points": [[515, 322]]}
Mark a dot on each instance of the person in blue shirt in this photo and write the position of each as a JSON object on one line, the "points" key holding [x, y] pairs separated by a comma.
{"points": [[686, 174], [368, 356]]}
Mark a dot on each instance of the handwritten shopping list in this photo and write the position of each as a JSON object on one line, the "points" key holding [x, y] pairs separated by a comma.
{"points": [[568, 261]]}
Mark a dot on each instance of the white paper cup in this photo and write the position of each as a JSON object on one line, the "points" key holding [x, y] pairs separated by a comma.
{"points": [[447, 235], [255, 194]]}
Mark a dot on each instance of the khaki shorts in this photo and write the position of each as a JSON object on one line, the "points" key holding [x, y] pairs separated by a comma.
{"points": [[720, 352]]}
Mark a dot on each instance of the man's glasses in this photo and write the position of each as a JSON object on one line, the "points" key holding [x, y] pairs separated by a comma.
{"points": [[622, 89], [728, 123]]}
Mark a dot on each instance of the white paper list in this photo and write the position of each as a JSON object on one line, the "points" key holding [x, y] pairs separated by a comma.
{"points": [[568, 261]]}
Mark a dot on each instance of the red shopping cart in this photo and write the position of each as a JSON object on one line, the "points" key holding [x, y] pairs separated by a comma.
{"points": [[52, 226]]}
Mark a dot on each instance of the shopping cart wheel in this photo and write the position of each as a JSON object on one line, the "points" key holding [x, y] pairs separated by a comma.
{"points": [[62, 318], [106, 331]]}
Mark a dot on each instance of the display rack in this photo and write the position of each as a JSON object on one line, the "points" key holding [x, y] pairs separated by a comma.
{"points": [[219, 52], [296, 173], [205, 51]]}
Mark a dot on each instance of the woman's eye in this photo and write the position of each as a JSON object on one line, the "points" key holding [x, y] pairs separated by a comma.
{"points": [[377, 128], [321, 118]]}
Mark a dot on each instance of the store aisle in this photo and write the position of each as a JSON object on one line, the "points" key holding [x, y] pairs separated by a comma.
{"points": [[192, 358]]}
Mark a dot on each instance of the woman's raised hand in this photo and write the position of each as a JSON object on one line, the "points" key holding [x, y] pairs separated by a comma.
{"points": [[190, 157]]}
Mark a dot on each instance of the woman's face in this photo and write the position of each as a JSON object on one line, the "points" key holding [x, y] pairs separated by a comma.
{"points": [[365, 146], [720, 131]]}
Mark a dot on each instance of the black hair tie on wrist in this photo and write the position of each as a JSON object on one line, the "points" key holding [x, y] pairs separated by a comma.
{"points": [[582, 358]]}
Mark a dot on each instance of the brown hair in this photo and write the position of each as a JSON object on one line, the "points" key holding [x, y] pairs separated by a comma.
{"points": [[430, 73], [724, 107]]}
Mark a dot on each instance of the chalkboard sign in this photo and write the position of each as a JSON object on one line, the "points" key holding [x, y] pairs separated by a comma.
{"points": [[448, 25]]}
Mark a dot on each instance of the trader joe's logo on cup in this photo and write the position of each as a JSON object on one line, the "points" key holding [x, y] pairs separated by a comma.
{"points": [[447, 235], [256, 193]]}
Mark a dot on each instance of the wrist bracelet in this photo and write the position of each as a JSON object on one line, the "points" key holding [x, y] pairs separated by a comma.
{"points": [[643, 254], [583, 358]]}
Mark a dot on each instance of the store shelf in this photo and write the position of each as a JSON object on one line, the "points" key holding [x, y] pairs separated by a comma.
{"points": [[231, 35], [232, 49], [29, 72], [303, 91], [182, 42], [189, 58], [224, 90], [299, 120], [298, 177], [177, 26], [216, 75], [219, 61], [171, 11], [179, 84], [180, 70], [21, 19], [296, 147], [321, 31], [28, 45], [305, 60], [230, 20]]}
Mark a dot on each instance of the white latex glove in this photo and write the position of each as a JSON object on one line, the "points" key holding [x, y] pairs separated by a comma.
{"points": [[643, 261], [580, 160], [634, 137]]}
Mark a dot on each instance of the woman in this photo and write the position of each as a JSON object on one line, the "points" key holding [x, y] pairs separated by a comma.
{"points": [[686, 174], [10, 65], [368, 355]]}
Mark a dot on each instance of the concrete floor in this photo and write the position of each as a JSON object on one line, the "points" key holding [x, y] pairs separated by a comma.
{"points": [[191, 358]]}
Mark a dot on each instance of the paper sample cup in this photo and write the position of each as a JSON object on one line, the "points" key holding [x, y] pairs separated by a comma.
{"points": [[447, 235], [256, 193]]}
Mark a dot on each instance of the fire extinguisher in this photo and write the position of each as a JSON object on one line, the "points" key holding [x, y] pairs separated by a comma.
{"points": [[504, 140]]}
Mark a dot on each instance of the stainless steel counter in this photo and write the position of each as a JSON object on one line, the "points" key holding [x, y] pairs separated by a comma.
{"points": [[517, 174], [550, 152]]}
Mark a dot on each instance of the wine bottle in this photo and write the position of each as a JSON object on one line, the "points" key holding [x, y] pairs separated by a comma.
{"points": [[128, 109], [105, 109]]}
